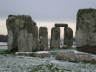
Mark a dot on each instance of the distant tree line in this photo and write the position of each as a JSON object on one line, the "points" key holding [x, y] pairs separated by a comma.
{"points": [[3, 38]]}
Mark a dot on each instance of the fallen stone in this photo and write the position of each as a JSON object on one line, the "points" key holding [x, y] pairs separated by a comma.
{"points": [[10, 23], [40, 54], [76, 56], [35, 41]]}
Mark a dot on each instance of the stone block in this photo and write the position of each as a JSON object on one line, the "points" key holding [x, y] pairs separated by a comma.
{"points": [[55, 38], [86, 30], [43, 38]]}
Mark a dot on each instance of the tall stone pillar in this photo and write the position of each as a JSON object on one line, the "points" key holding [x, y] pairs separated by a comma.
{"points": [[35, 38], [55, 38], [43, 38], [68, 37], [10, 22], [20, 35], [25, 33], [86, 30]]}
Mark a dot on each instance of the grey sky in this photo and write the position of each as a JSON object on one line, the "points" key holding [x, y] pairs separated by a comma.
{"points": [[45, 10]]}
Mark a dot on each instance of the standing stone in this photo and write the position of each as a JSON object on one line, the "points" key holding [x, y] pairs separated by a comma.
{"points": [[12, 38], [22, 41], [86, 30], [55, 38], [25, 37], [35, 38], [20, 35], [68, 37], [43, 38]]}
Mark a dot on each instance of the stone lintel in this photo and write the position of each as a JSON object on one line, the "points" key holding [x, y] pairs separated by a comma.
{"points": [[61, 25]]}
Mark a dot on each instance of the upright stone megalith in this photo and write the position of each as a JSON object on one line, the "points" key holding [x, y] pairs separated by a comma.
{"points": [[35, 38], [10, 22], [68, 37], [43, 38], [55, 38], [25, 36], [86, 30], [20, 35]]}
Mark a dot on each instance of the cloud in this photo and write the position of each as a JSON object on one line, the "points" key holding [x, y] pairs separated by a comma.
{"points": [[45, 9]]}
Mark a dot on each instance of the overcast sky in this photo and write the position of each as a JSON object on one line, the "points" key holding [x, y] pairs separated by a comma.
{"points": [[43, 11]]}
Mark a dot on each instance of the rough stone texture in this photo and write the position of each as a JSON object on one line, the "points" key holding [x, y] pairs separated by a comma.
{"points": [[20, 35], [64, 55], [40, 54], [22, 44], [61, 25], [55, 38], [68, 37], [43, 38], [76, 56], [86, 30], [35, 38], [10, 23]]}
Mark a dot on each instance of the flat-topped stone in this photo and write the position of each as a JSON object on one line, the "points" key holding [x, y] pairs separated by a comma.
{"points": [[61, 25], [40, 54], [86, 30], [20, 33]]}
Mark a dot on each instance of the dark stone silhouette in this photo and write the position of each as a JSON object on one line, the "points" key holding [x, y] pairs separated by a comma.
{"points": [[43, 38], [20, 37], [23, 35], [55, 38], [61, 25], [68, 37], [10, 23], [86, 30]]}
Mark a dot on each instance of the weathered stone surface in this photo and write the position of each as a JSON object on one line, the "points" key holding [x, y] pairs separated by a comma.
{"points": [[10, 40], [43, 38], [22, 44], [64, 55], [55, 38], [35, 38], [20, 35], [25, 36], [76, 56], [68, 37], [40, 54], [86, 30], [61, 25], [10, 23]]}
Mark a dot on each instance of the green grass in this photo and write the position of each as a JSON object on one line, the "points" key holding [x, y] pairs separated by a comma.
{"points": [[5, 52], [48, 67]]}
